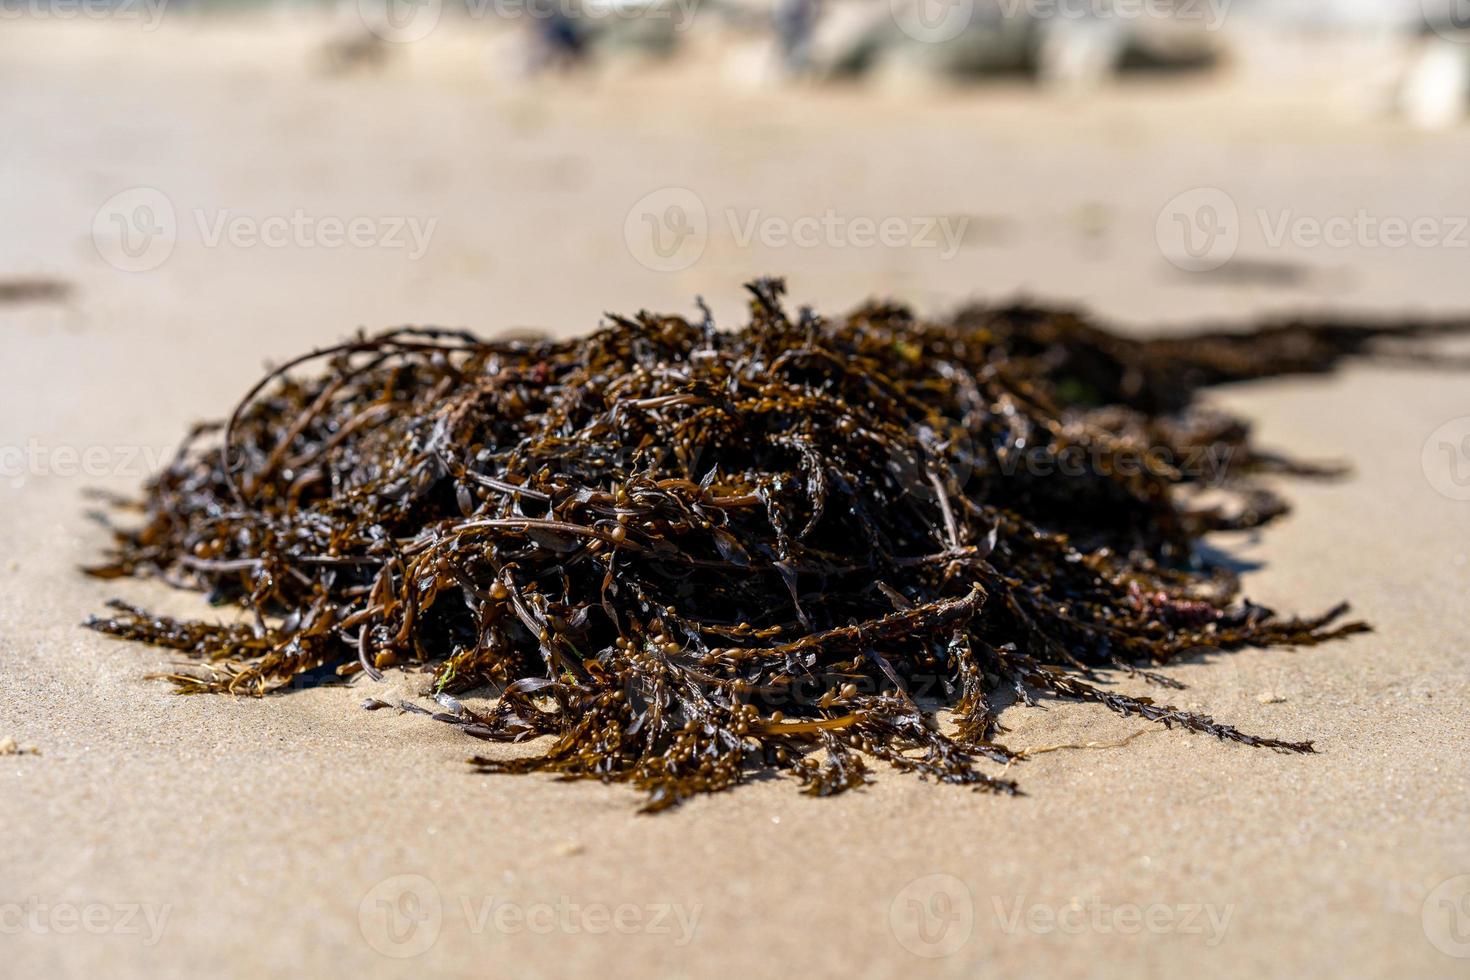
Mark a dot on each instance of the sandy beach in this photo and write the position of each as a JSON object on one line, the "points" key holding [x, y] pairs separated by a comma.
{"points": [[157, 835]]}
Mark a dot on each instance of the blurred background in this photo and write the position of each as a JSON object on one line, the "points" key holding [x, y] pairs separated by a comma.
{"points": [[224, 176]]}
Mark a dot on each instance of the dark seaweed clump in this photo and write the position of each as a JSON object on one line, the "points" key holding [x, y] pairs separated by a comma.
{"points": [[692, 556]]}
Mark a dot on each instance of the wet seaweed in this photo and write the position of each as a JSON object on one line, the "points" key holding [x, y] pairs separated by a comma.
{"points": [[689, 556]]}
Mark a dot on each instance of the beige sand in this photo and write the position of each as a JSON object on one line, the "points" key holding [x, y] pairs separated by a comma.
{"points": [[158, 835]]}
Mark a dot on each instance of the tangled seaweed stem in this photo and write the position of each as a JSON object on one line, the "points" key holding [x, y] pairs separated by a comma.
{"points": [[689, 556]]}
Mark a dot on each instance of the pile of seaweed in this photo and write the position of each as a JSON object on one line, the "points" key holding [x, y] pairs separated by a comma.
{"points": [[691, 556]]}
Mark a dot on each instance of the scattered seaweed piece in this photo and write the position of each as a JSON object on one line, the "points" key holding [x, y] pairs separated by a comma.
{"points": [[34, 290], [689, 556]]}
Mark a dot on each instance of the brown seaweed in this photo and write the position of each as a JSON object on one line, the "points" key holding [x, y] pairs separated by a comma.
{"points": [[690, 556], [33, 290]]}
